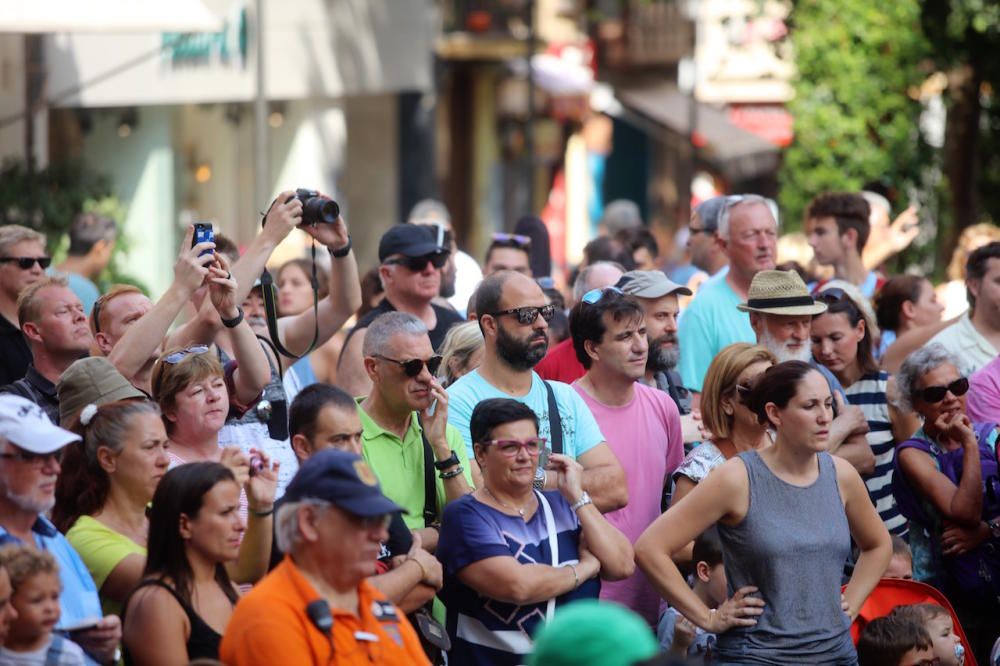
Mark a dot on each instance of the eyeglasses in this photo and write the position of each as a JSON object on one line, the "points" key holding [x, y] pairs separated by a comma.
{"points": [[510, 447], [935, 394], [742, 393], [369, 523], [179, 356], [528, 314], [512, 239], [25, 263], [418, 264], [414, 366], [37, 460], [594, 296]]}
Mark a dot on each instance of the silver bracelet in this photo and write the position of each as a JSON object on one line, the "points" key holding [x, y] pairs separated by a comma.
{"points": [[452, 474], [576, 576]]}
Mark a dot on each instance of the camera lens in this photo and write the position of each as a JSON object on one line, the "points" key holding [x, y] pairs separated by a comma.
{"points": [[317, 210]]}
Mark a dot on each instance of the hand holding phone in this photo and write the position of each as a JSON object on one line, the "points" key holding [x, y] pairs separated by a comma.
{"points": [[203, 233]]}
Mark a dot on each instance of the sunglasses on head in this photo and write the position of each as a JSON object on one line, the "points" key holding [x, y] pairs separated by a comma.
{"points": [[418, 264], [414, 366], [594, 296], [180, 355], [511, 239], [528, 314], [831, 295], [934, 394], [25, 263]]}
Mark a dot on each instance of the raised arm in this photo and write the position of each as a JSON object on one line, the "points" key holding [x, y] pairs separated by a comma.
{"points": [[604, 478], [143, 338], [962, 504], [611, 548], [253, 372]]}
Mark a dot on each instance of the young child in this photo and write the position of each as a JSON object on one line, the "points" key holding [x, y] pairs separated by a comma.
{"points": [[34, 576], [937, 622], [678, 635], [894, 641], [901, 564]]}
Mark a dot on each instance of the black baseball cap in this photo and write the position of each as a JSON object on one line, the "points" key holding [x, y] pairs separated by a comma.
{"points": [[411, 240], [343, 479]]}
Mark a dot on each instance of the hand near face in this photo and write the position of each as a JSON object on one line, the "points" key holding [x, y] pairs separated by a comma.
{"points": [[237, 462], [262, 482], [957, 428], [435, 425], [569, 476]]}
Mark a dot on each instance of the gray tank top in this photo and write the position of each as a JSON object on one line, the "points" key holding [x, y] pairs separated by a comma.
{"points": [[792, 546]]}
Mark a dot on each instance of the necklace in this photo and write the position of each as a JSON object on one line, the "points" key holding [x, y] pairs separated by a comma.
{"points": [[520, 510]]}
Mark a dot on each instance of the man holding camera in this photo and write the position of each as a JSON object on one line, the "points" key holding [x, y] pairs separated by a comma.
{"points": [[411, 273]]}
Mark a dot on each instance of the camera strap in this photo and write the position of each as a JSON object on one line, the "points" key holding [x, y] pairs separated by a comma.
{"points": [[268, 291]]}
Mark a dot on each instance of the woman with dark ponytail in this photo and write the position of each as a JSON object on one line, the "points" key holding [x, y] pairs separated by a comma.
{"points": [[106, 483], [786, 515]]}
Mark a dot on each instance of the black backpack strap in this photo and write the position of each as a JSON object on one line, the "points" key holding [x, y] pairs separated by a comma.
{"points": [[555, 421], [430, 489]]}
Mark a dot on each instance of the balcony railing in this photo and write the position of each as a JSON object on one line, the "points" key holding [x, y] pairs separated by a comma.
{"points": [[645, 33]]}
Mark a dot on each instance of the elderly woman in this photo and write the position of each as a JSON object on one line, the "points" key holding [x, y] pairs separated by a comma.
{"points": [[513, 555], [461, 352], [946, 484], [786, 515], [843, 340], [180, 609], [723, 411]]}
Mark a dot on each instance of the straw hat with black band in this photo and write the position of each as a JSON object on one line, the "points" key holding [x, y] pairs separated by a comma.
{"points": [[780, 293]]}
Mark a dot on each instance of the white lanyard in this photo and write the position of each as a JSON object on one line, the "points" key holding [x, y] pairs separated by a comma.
{"points": [[550, 524]]}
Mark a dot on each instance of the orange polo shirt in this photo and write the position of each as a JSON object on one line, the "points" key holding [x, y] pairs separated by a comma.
{"points": [[271, 626]]}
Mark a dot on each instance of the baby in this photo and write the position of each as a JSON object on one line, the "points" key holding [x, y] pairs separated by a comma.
{"points": [[34, 576], [936, 620], [894, 641]]}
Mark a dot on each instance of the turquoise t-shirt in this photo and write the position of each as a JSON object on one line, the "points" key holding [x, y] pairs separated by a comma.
{"points": [[580, 430], [710, 323]]}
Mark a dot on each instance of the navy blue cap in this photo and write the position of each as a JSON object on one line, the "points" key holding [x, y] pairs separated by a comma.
{"points": [[343, 479], [411, 240]]}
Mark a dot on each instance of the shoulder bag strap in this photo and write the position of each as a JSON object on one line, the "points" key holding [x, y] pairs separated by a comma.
{"points": [[54, 653], [430, 489], [550, 526], [555, 421]]}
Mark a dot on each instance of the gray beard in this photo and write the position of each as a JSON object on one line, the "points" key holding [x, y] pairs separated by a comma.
{"points": [[29, 505], [781, 350], [663, 360]]}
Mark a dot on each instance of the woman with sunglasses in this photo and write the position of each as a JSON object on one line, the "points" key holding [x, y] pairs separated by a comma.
{"points": [[946, 484], [843, 340], [196, 396], [180, 609], [512, 555]]}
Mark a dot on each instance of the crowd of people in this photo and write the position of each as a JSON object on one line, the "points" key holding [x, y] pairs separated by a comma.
{"points": [[728, 459]]}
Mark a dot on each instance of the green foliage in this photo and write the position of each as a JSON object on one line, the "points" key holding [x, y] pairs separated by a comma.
{"points": [[47, 200], [856, 120]]}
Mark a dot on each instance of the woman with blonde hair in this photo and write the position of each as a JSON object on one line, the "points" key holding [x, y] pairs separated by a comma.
{"points": [[734, 428], [462, 352]]}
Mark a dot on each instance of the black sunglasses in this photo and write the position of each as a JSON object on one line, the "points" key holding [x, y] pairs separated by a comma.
{"points": [[418, 264], [25, 263], [933, 394], [414, 366], [528, 314]]}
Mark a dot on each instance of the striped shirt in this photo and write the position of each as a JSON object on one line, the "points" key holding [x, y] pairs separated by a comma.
{"points": [[869, 393]]}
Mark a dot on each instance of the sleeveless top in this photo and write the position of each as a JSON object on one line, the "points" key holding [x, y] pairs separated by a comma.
{"points": [[203, 642], [792, 546], [869, 393]]}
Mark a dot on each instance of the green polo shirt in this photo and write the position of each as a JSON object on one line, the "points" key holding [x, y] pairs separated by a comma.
{"points": [[399, 465]]}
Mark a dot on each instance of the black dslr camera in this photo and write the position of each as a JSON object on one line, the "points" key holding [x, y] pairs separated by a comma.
{"points": [[317, 209]]}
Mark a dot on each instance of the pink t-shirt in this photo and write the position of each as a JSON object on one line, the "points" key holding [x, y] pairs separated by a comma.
{"points": [[646, 437], [983, 401]]}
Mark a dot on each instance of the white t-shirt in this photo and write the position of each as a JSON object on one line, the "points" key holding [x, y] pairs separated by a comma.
{"points": [[70, 654]]}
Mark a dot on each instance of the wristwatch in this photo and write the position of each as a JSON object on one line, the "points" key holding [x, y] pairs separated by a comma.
{"points": [[341, 252], [582, 502], [235, 321], [994, 526], [450, 461], [540, 477]]}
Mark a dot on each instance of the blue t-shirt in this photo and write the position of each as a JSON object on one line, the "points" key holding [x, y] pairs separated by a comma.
{"points": [[485, 631], [78, 600], [580, 430], [710, 323]]}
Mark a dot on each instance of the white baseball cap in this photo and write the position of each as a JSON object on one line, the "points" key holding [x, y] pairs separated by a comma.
{"points": [[24, 424]]}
